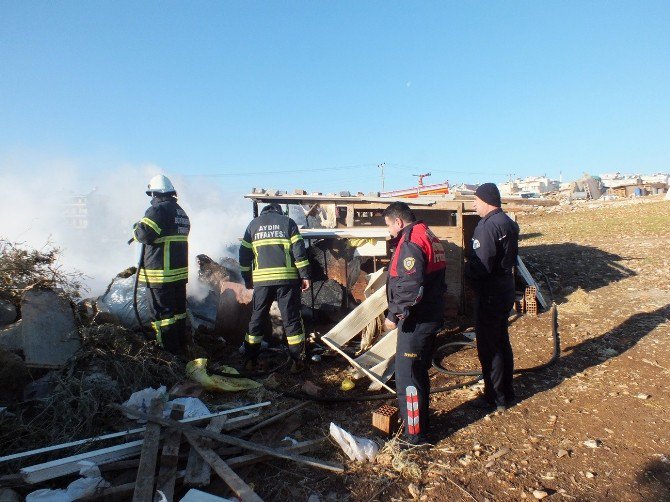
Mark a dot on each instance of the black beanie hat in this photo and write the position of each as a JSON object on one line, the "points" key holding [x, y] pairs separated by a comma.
{"points": [[489, 193]]}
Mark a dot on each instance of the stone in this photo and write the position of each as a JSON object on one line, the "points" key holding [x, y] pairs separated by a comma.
{"points": [[49, 332], [643, 396], [592, 443], [13, 377], [540, 494], [10, 337], [562, 453], [414, 490], [589, 475], [8, 495], [502, 451], [8, 313], [41, 388]]}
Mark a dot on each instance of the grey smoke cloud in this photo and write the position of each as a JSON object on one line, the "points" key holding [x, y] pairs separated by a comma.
{"points": [[35, 197]]}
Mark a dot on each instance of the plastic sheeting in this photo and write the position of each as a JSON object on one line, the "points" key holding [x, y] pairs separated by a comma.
{"points": [[87, 485], [354, 447], [118, 302]]}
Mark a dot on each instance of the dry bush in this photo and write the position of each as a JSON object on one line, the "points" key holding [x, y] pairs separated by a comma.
{"points": [[111, 364], [22, 267]]}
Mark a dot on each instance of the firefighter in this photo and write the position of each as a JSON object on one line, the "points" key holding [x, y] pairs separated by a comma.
{"points": [[164, 264], [494, 252], [274, 263], [415, 289]]}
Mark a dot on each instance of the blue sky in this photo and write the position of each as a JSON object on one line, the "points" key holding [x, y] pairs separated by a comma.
{"points": [[316, 94]]}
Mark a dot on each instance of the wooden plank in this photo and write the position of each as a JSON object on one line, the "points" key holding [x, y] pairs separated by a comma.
{"points": [[377, 280], [356, 320], [144, 484], [254, 458], [353, 324], [275, 418], [198, 472], [224, 438], [70, 465], [194, 495], [123, 434], [169, 459], [363, 369], [345, 233], [113, 493], [241, 489], [358, 200]]}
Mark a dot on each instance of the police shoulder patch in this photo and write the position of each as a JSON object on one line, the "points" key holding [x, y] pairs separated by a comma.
{"points": [[475, 244], [408, 263]]}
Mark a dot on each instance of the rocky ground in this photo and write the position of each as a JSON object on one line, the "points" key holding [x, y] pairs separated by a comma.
{"points": [[594, 426]]}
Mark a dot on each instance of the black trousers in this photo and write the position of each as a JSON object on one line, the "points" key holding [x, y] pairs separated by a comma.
{"points": [[288, 298], [414, 353], [169, 313], [493, 345]]}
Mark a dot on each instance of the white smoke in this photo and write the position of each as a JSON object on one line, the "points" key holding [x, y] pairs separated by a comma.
{"points": [[34, 198]]}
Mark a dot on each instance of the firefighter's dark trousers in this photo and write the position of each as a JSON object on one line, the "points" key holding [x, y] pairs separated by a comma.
{"points": [[169, 312], [288, 298], [413, 358], [493, 346]]}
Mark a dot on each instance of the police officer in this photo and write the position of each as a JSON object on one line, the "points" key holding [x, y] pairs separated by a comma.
{"points": [[274, 262], [415, 289], [489, 268], [164, 232]]}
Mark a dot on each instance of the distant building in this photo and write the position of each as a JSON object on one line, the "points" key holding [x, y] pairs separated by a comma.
{"points": [[75, 211], [531, 185]]}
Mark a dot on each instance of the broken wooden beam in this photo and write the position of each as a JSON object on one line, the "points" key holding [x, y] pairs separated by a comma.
{"points": [[241, 489], [169, 459], [224, 438], [125, 434], [69, 465], [254, 458], [198, 472], [275, 418], [144, 484]]}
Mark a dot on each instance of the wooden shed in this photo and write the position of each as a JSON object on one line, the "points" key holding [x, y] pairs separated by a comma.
{"points": [[358, 220]]}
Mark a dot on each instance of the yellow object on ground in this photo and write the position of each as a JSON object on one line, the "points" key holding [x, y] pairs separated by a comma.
{"points": [[197, 370], [347, 384]]}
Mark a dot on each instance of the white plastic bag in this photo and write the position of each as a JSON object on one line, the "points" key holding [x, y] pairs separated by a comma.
{"points": [[141, 400], [90, 481], [355, 448]]}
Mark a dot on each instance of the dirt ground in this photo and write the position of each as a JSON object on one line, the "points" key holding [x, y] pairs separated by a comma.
{"points": [[594, 426]]}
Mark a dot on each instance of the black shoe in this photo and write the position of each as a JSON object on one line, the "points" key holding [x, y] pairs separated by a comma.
{"points": [[481, 403], [509, 402], [297, 367]]}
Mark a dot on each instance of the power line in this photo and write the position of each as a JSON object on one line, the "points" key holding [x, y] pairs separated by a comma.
{"points": [[288, 171]]}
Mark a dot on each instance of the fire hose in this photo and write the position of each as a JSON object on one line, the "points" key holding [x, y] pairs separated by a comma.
{"points": [[436, 364]]}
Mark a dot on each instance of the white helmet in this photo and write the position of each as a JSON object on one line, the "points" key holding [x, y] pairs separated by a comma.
{"points": [[160, 184]]}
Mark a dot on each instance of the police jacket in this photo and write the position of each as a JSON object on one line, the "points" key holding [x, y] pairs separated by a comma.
{"points": [[164, 231], [495, 244], [272, 252], [415, 284]]}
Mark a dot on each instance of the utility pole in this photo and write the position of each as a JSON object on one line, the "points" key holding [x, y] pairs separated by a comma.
{"points": [[381, 166]]}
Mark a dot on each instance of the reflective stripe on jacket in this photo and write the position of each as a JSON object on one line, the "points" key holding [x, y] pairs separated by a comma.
{"points": [[164, 231], [272, 252]]}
